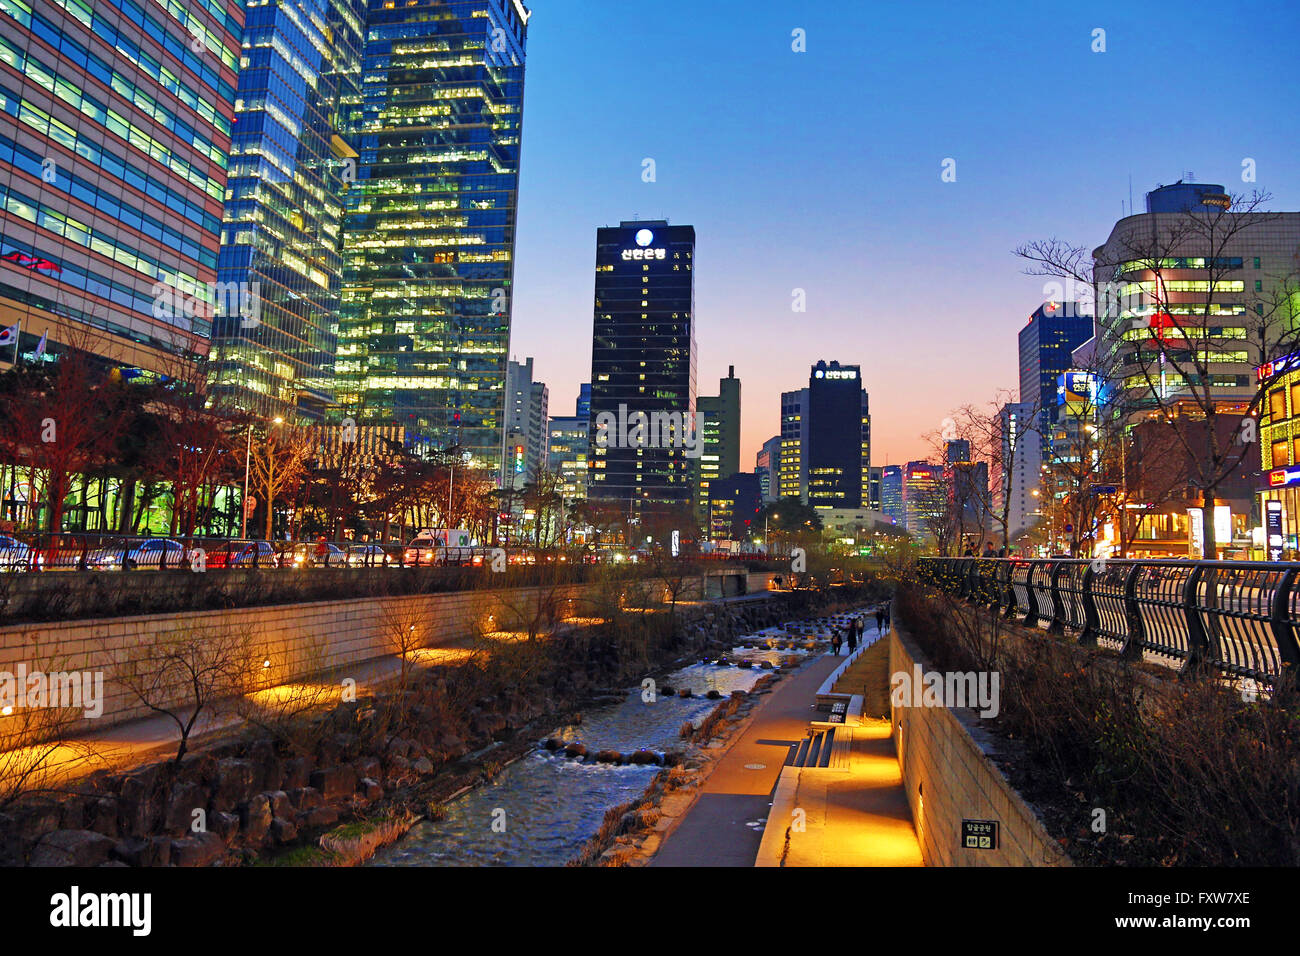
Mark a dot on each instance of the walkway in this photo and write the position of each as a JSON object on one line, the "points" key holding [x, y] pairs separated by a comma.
{"points": [[853, 817]]}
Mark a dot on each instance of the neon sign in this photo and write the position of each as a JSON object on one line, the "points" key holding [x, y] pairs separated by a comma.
{"points": [[1277, 366], [631, 255], [1283, 477]]}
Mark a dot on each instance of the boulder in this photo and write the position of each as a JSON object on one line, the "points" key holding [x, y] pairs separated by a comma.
{"points": [[198, 849], [317, 817], [236, 782], [575, 750], [304, 798], [72, 848], [335, 783], [186, 797], [283, 831], [423, 766], [297, 773], [370, 789], [256, 816], [224, 825]]}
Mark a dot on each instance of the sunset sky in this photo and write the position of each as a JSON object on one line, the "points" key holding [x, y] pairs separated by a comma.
{"points": [[821, 171]]}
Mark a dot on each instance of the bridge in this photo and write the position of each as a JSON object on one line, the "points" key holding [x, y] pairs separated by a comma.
{"points": [[1236, 618]]}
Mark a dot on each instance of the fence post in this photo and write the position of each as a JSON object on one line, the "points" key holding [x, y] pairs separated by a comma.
{"points": [[1091, 619], [1198, 645], [1007, 572], [1280, 619], [1057, 625], [1132, 648], [1032, 615]]}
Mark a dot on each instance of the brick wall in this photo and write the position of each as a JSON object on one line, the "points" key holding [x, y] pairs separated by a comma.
{"points": [[948, 777]]}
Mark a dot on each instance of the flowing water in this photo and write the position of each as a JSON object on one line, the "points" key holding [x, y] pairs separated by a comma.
{"points": [[541, 809]]}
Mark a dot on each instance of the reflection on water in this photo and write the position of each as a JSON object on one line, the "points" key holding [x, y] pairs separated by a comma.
{"points": [[546, 806]]}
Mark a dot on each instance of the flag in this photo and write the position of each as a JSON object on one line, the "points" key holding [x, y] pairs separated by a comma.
{"points": [[9, 336], [40, 346]]}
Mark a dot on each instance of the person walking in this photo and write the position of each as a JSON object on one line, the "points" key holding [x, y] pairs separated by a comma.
{"points": [[887, 616], [853, 636], [880, 619], [836, 639]]}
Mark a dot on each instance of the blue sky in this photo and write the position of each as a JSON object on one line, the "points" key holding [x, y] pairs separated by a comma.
{"points": [[821, 171]]}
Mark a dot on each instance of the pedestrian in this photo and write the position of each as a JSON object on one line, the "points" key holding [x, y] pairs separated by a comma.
{"points": [[988, 550], [853, 636], [888, 616], [880, 618], [836, 639]]}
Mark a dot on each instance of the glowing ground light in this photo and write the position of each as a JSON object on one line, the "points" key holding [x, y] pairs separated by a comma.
{"points": [[755, 766]]}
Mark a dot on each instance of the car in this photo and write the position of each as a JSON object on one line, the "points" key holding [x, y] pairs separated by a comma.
{"points": [[309, 556], [150, 553], [14, 554], [423, 549], [244, 554], [370, 555]]}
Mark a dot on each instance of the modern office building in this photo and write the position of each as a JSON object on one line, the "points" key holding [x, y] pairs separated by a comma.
{"points": [[1188, 269], [281, 266], [719, 421], [734, 504], [891, 494], [924, 497], [527, 414], [429, 229], [767, 464], [643, 364], [1016, 475], [584, 400], [1047, 347], [873, 499], [838, 449], [567, 454], [792, 469], [114, 140]]}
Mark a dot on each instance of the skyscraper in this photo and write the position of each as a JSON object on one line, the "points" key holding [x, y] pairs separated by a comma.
{"points": [[527, 414], [767, 466], [114, 139], [792, 469], [891, 494], [718, 417], [284, 208], [839, 437], [429, 233], [643, 363], [1047, 344]]}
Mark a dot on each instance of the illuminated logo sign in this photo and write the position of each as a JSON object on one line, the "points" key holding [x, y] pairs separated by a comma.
{"points": [[644, 237], [1275, 367], [1283, 477], [1076, 388], [519, 459], [836, 374], [647, 255]]}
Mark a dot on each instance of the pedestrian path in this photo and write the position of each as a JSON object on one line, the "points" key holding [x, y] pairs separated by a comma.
{"points": [[852, 811]]}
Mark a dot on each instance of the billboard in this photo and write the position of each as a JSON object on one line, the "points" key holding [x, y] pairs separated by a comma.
{"points": [[1076, 391]]}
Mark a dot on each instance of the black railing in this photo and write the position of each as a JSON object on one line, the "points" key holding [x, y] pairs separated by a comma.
{"points": [[1238, 618]]}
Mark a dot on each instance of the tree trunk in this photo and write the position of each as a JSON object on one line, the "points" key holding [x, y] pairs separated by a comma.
{"points": [[1211, 550]]}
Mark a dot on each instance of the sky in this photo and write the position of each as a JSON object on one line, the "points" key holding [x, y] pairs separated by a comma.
{"points": [[821, 171]]}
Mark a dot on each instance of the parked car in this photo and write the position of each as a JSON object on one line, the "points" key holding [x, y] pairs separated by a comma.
{"points": [[149, 553], [423, 549], [309, 556], [370, 555], [244, 554], [14, 555]]}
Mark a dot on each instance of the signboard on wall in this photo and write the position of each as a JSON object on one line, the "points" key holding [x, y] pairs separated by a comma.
{"points": [[1273, 529]]}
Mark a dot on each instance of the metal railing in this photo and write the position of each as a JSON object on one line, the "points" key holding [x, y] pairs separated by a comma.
{"points": [[1238, 618]]}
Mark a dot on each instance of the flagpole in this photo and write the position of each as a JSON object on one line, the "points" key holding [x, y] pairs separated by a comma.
{"points": [[19, 326]]}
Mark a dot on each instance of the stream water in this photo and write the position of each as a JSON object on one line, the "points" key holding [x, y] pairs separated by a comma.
{"points": [[541, 809]]}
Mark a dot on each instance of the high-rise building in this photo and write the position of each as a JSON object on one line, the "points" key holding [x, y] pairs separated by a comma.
{"points": [[429, 231], [527, 412], [792, 470], [569, 444], [643, 364], [924, 498], [114, 139], [838, 449], [1016, 475], [289, 168], [584, 400], [1191, 268], [767, 466], [718, 417], [873, 501], [891, 494], [1047, 345], [734, 504]]}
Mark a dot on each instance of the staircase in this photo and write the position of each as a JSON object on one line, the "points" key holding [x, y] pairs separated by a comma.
{"points": [[822, 749]]}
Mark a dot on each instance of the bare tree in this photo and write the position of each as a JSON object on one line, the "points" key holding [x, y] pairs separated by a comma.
{"points": [[277, 464]]}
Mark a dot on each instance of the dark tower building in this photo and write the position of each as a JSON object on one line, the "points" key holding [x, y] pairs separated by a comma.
{"points": [[1054, 331], [839, 457], [643, 362]]}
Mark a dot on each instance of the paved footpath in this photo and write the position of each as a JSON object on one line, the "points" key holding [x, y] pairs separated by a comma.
{"points": [[858, 818], [720, 830]]}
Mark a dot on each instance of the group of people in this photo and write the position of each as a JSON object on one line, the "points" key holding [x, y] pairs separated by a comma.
{"points": [[989, 551], [855, 629]]}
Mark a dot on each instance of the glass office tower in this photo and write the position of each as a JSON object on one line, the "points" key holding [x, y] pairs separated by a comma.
{"points": [[429, 232], [115, 122], [289, 168], [643, 361]]}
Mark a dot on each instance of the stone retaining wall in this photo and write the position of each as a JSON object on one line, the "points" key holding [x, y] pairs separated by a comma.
{"points": [[298, 640], [948, 777]]}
